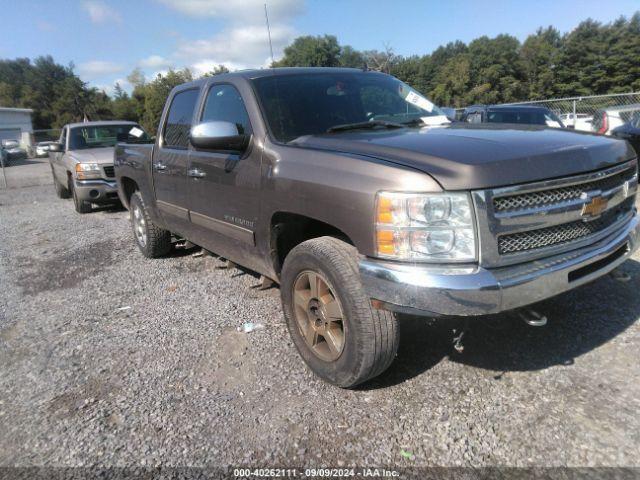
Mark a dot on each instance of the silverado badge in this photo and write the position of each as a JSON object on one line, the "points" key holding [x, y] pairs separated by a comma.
{"points": [[595, 207]]}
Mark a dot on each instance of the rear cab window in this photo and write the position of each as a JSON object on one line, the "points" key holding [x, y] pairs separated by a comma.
{"points": [[177, 125]]}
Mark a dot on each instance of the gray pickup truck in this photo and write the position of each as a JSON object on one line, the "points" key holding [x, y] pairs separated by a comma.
{"points": [[354, 193], [82, 161]]}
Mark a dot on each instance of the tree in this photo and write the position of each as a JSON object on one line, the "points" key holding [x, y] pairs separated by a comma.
{"points": [[381, 61], [123, 106], [309, 51], [351, 58], [540, 54], [217, 70], [156, 93]]}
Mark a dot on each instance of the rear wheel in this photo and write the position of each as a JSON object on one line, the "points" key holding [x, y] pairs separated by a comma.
{"points": [[152, 240], [331, 321]]}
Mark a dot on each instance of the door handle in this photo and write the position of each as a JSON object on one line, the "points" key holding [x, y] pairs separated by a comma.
{"points": [[195, 173], [160, 167]]}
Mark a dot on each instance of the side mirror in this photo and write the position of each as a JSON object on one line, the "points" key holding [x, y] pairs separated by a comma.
{"points": [[218, 135], [56, 147]]}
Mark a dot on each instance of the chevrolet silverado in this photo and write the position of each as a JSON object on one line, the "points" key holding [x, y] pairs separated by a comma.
{"points": [[356, 194]]}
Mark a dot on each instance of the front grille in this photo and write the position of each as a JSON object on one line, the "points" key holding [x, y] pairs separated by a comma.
{"points": [[558, 195], [109, 171], [559, 234]]}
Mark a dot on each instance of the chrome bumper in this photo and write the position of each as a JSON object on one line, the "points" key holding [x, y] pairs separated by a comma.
{"points": [[97, 191], [473, 290]]}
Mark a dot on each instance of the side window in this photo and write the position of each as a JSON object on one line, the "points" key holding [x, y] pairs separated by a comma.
{"points": [[179, 118], [225, 104], [475, 117]]}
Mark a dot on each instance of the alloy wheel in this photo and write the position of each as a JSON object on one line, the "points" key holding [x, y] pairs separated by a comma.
{"points": [[319, 316], [139, 226]]}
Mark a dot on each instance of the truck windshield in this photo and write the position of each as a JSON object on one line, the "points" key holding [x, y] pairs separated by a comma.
{"points": [[309, 104], [97, 136]]}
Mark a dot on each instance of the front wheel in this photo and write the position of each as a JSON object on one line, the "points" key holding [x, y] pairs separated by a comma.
{"points": [[61, 191], [81, 206], [152, 240], [340, 336]]}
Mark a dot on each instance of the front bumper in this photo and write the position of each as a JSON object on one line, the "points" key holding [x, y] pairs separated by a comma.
{"points": [[455, 290], [97, 191]]}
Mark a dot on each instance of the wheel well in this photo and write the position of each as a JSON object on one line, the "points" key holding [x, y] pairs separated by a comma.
{"points": [[129, 187], [289, 230]]}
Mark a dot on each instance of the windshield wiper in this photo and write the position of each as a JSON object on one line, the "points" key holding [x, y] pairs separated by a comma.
{"points": [[364, 125]]}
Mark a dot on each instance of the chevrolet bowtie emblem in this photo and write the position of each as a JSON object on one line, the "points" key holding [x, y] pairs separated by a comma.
{"points": [[595, 207]]}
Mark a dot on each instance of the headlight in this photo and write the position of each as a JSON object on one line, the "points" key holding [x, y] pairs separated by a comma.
{"points": [[87, 170], [435, 227]]}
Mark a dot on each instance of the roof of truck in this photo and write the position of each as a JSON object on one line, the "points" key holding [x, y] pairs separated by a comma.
{"points": [[101, 123], [265, 72]]}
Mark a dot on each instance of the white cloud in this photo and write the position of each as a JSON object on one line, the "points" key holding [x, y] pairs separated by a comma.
{"points": [[155, 61], [242, 43], [207, 65], [98, 68], [249, 11], [241, 47], [99, 12], [109, 88]]}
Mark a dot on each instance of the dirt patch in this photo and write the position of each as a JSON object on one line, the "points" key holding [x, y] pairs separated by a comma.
{"points": [[227, 364], [64, 270], [72, 402]]}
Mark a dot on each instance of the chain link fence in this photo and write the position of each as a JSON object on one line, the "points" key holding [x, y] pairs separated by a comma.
{"points": [[579, 112], [31, 156]]}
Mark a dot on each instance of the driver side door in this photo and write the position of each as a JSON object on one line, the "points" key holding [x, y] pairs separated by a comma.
{"points": [[224, 186]]}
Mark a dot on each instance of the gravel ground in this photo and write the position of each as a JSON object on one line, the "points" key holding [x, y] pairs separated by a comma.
{"points": [[107, 358]]}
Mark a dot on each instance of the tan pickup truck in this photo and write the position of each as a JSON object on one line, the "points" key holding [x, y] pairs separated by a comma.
{"points": [[82, 161]]}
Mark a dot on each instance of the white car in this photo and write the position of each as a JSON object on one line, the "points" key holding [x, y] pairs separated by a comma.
{"points": [[42, 149], [579, 121], [606, 119]]}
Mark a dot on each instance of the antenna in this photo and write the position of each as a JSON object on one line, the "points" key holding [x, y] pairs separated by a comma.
{"points": [[266, 16]]}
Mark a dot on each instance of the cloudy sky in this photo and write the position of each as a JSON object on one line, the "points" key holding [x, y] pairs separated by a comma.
{"points": [[106, 39]]}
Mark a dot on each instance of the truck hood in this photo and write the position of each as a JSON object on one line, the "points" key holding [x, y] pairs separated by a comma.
{"points": [[462, 156], [102, 155]]}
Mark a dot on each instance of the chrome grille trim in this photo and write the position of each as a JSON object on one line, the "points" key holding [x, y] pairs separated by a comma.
{"points": [[616, 184], [530, 200], [558, 234]]}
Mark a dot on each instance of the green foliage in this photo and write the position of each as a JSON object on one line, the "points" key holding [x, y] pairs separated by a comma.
{"points": [[592, 59], [309, 51], [217, 70], [155, 94]]}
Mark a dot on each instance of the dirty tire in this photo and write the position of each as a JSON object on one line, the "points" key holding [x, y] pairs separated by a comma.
{"points": [[371, 336], [81, 206], [157, 241], [61, 191]]}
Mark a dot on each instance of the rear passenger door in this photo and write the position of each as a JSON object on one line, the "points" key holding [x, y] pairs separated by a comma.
{"points": [[170, 160], [224, 195]]}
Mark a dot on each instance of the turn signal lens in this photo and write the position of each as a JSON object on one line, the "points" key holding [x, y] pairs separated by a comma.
{"points": [[87, 170], [386, 244], [385, 210]]}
